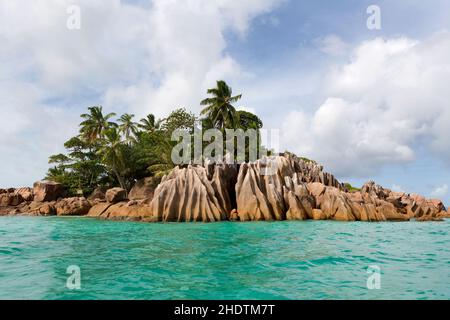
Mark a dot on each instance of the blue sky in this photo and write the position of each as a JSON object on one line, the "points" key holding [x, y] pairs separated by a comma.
{"points": [[368, 104]]}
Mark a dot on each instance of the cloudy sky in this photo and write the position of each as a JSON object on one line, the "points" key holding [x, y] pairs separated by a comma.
{"points": [[368, 104]]}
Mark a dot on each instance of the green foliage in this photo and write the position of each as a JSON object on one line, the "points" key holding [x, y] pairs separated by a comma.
{"points": [[180, 119], [107, 154], [81, 169], [247, 120], [219, 109], [149, 124], [350, 188], [127, 127], [95, 123]]}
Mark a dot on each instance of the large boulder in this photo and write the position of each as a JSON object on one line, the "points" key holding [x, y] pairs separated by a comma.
{"points": [[260, 191], [144, 189], [334, 203], [274, 188], [36, 208], [375, 190], [391, 212], [192, 195], [72, 207], [98, 209], [98, 194], [116, 195], [10, 199], [130, 211], [45, 191], [309, 171], [27, 194]]}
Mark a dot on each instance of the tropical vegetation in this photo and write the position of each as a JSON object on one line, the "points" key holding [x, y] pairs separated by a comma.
{"points": [[111, 151]]}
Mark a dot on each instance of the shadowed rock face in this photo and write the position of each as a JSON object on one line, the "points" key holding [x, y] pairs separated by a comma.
{"points": [[116, 195], [10, 199], [309, 171], [144, 189], [98, 194], [45, 191], [401, 206], [27, 194], [286, 194], [275, 189], [192, 194]]}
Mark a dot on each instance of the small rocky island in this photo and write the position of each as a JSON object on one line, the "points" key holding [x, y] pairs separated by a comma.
{"points": [[135, 156], [298, 190]]}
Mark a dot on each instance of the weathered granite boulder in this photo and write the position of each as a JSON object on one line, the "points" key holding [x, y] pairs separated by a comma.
{"points": [[72, 207], [40, 208], [318, 215], [400, 206], [274, 188], [334, 203], [260, 190], [444, 214], [27, 194], [130, 211], [309, 171], [45, 191], [375, 190], [98, 209], [192, 195], [116, 195], [144, 189], [10, 199], [98, 194]]}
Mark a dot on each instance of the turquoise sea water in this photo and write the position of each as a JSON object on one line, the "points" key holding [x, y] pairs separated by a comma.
{"points": [[280, 260]]}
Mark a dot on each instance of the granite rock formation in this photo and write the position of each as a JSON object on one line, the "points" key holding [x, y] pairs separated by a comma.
{"points": [[193, 194], [116, 195], [72, 207], [283, 187], [144, 189], [45, 191]]}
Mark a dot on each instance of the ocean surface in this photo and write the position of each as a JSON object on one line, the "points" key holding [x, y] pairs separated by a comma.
{"points": [[279, 260]]}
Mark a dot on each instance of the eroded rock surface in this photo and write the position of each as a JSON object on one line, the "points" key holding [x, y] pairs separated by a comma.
{"points": [[193, 194], [144, 189], [280, 188], [45, 191], [116, 195], [72, 207]]}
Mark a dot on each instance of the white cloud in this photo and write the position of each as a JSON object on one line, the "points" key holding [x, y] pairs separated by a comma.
{"points": [[389, 100], [332, 45], [440, 192], [129, 58]]}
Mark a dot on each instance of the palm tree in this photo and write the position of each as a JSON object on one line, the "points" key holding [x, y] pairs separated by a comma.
{"points": [[128, 127], [95, 123], [219, 108], [149, 123], [111, 151]]}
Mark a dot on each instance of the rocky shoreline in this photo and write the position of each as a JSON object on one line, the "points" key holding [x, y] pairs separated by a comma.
{"points": [[297, 190]]}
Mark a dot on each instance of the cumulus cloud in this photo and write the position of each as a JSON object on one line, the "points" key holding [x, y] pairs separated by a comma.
{"points": [[389, 100], [130, 58]]}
